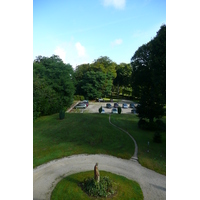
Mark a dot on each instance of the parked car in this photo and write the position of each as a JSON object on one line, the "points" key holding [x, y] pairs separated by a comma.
{"points": [[80, 105], [124, 105], [103, 111], [132, 105], [114, 110], [108, 105], [116, 105], [99, 100], [86, 102]]}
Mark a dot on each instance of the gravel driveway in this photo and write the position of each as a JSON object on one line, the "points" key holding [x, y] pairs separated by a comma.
{"points": [[45, 177], [94, 107]]}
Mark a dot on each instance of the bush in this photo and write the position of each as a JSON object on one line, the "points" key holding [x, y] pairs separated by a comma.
{"points": [[62, 114], [104, 188], [79, 97], [119, 110], [100, 109], [157, 137], [161, 126]]}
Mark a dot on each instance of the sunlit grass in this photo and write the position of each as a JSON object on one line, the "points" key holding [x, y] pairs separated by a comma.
{"points": [[77, 134], [152, 156], [68, 188]]}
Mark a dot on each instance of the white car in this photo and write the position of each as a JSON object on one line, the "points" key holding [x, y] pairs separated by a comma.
{"points": [[103, 111], [114, 110], [81, 105]]}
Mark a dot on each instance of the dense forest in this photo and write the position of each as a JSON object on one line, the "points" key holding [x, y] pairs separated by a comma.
{"points": [[55, 84]]}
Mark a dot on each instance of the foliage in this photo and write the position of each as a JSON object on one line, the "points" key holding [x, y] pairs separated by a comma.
{"points": [[70, 187], [79, 97], [159, 125], [104, 188], [96, 79], [157, 137], [53, 85], [123, 78], [62, 114], [119, 110], [149, 76], [100, 109]]}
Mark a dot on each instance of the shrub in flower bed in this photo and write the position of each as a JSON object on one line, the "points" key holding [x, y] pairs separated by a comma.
{"points": [[104, 188]]}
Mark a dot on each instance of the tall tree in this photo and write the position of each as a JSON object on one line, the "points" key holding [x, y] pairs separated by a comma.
{"points": [[149, 76], [53, 84], [96, 79], [123, 78]]}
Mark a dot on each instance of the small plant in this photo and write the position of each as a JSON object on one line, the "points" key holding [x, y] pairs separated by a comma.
{"points": [[100, 109], [157, 137], [104, 188], [62, 114], [119, 110]]}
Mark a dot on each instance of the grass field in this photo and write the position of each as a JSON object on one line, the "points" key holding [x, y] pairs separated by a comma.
{"points": [[68, 187], [92, 134], [77, 134], [152, 156]]}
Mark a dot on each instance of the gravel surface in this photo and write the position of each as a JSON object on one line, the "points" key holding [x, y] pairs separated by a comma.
{"points": [[94, 107], [45, 177]]}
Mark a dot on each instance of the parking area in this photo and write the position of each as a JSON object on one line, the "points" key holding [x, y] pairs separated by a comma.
{"points": [[94, 107]]}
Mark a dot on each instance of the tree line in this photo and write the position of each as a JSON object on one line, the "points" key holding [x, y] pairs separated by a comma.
{"points": [[55, 83]]}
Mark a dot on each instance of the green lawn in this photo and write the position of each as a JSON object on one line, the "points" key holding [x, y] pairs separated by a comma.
{"points": [[77, 134], [92, 134], [155, 159], [68, 188]]}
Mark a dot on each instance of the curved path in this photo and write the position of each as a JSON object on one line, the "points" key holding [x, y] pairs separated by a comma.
{"points": [[134, 157], [46, 176]]}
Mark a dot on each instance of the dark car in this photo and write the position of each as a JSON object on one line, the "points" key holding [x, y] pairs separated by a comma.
{"points": [[108, 105], [116, 105], [132, 105]]}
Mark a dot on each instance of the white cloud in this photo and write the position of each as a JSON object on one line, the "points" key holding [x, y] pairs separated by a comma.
{"points": [[80, 49], [61, 53], [116, 42], [118, 4], [72, 52]]}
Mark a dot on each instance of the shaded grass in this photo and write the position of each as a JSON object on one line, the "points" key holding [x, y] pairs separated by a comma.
{"points": [[155, 158], [68, 188], [77, 134]]}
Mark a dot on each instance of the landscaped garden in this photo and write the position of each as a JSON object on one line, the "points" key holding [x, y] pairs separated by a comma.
{"points": [[71, 187]]}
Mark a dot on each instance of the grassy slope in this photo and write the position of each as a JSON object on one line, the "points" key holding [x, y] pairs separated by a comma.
{"points": [[155, 159], [77, 134], [92, 134], [68, 187]]}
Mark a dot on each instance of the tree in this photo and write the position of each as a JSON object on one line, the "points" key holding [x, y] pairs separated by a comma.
{"points": [[96, 79], [53, 85], [123, 78], [149, 76]]}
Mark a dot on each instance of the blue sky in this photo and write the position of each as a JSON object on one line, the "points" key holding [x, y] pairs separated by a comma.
{"points": [[80, 31]]}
